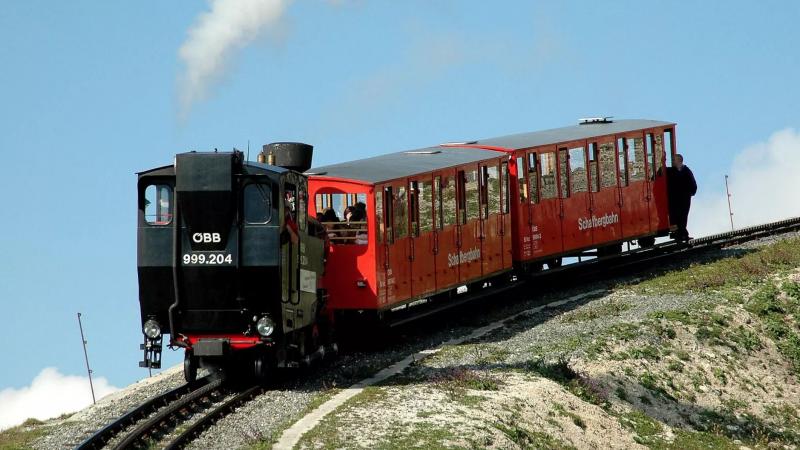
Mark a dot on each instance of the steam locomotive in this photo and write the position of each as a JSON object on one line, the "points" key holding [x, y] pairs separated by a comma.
{"points": [[227, 262]]}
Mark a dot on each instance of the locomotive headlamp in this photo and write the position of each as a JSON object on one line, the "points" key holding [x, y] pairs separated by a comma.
{"points": [[151, 329], [265, 326]]}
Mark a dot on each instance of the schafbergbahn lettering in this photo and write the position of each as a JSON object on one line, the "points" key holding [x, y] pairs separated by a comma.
{"points": [[462, 257], [598, 222]]}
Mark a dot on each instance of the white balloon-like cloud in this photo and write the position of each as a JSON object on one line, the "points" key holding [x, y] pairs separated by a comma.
{"points": [[764, 180], [215, 36], [50, 394]]}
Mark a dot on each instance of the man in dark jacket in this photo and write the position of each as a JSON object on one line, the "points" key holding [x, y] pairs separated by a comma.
{"points": [[681, 186]]}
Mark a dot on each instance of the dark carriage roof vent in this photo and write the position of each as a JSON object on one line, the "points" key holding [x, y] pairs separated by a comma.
{"points": [[588, 120], [289, 155]]}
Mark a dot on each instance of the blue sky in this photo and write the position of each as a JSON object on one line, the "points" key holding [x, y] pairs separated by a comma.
{"points": [[90, 94]]}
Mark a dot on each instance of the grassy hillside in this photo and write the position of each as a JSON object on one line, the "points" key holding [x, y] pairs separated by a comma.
{"points": [[703, 357]]}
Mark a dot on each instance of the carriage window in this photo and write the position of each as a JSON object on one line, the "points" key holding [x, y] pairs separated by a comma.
{"points": [[651, 162], [594, 169], [388, 214], [577, 169], [437, 203], [449, 210], [379, 214], [413, 207], [471, 194], [608, 170], [158, 204], [344, 216], [425, 198], [635, 149], [547, 165], [563, 175], [522, 186], [669, 146], [658, 144], [622, 168], [493, 189], [505, 187], [400, 214], [257, 203], [483, 189], [533, 177]]}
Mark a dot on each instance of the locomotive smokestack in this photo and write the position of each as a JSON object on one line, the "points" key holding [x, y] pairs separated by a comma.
{"points": [[290, 155]]}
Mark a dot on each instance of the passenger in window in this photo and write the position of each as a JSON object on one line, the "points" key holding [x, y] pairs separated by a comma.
{"points": [[681, 186], [363, 208], [331, 222], [356, 218]]}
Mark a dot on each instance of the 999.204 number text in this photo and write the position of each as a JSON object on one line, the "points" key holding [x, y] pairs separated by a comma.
{"points": [[207, 258]]}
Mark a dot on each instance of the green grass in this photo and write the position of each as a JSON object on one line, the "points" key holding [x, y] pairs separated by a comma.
{"points": [[744, 269], [605, 309], [779, 312], [22, 436], [646, 428], [576, 419], [525, 438]]}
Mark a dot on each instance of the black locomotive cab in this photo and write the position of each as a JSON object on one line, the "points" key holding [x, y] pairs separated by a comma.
{"points": [[226, 264]]}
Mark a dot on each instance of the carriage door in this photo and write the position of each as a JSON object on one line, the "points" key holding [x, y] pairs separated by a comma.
{"points": [[605, 193], [657, 175], [445, 239], [398, 269], [576, 221], [421, 236], [492, 218], [382, 219], [634, 212], [546, 208], [470, 229]]}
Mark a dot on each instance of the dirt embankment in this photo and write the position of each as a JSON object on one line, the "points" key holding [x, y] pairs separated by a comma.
{"points": [[702, 357]]}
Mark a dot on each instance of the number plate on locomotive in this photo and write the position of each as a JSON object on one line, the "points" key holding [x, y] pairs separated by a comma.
{"points": [[207, 259]]}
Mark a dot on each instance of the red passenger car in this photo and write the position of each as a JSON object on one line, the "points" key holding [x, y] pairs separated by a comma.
{"points": [[434, 219]]}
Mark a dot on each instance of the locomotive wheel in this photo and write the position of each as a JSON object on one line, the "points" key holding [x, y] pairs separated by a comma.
{"points": [[553, 263], [260, 367], [190, 368], [646, 242]]}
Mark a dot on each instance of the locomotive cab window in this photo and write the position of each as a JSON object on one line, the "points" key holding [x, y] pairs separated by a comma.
{"points": [[158, 201], [257, 203]]}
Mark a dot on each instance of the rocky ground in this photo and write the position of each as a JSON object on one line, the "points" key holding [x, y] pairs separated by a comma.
{"points": [[707, 355]]}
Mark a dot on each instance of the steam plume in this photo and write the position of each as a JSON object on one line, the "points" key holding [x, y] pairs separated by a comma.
{"points": [[215, 36]]}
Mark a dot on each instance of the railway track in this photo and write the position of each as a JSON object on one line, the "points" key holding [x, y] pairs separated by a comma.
{"points": [[601, 267], [160, 414]]}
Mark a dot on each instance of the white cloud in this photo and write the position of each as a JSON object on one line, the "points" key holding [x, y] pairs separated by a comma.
{"points": [[764, 180], [215, 36], [50, 394]]}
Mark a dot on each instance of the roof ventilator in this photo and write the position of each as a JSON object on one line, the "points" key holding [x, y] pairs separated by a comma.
{"points": [[588, 120]]}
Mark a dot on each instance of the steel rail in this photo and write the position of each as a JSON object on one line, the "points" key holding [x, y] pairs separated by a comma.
{"points": [[167, 414], [100, 438], [213, 416], [603, 266]]}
